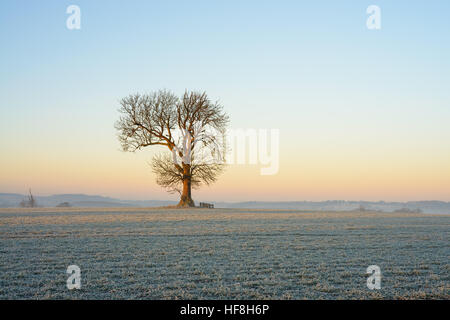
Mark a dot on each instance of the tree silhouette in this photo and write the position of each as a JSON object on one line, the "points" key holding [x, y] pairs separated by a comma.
{"points": [[30, 202]]}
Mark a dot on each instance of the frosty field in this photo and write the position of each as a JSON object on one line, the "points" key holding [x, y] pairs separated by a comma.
{"points": [[222, 254]]}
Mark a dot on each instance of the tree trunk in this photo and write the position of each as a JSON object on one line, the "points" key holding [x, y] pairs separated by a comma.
{"points": [[186, 199]]}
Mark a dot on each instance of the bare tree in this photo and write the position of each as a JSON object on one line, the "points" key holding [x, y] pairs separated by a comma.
{"points": [[30, 202], [192, 128]]}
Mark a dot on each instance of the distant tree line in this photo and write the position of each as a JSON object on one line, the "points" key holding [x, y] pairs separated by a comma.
{"points": [[407, 210]]}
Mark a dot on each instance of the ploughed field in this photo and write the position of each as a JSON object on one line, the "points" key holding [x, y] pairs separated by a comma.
{"points": [[222, 254]]}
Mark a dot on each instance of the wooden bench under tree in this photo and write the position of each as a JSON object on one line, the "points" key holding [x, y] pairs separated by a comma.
{"points": [[206, 205]]}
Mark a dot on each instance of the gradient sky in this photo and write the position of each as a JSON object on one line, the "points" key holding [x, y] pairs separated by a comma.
{"points": [[363, 114]]}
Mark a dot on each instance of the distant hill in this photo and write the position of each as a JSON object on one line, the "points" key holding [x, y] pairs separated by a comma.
{"points": [[342, 205], [12, 200], [81, 200]]}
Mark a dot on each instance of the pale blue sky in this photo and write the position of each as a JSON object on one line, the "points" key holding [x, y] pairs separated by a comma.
{"points": [[310, 68]]}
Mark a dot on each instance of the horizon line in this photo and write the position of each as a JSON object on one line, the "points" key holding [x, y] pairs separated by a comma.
{"points": [[226, 201]]}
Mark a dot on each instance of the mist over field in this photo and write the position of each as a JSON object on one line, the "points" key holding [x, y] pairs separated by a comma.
{"points": [[12, 200], [138, 253]]}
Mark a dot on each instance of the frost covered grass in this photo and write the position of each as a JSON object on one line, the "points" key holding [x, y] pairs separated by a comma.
{"points": [[222, 254]]}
